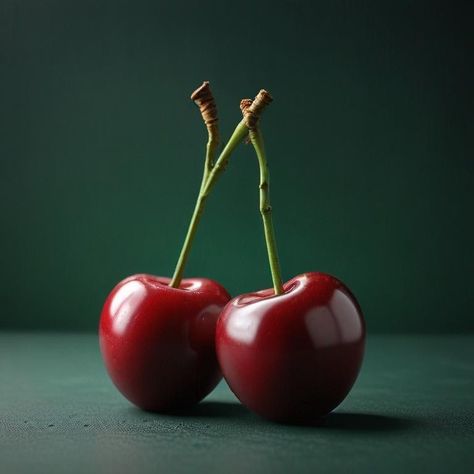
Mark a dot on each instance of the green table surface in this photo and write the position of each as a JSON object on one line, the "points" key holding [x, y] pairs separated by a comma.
{"points": [[411, 409]]}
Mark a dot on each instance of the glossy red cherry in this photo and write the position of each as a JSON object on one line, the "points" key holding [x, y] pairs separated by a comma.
{"points": [[158, 342], [292, 357]]}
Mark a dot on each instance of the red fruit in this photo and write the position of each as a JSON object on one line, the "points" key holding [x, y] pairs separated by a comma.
{"points": [[158, 342], [292, 357]]}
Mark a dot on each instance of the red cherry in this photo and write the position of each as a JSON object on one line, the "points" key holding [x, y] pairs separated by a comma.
{"points": [[292, 357], [158, 342]]}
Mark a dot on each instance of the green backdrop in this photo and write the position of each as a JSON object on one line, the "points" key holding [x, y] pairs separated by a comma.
{"points": [[369, 142]]}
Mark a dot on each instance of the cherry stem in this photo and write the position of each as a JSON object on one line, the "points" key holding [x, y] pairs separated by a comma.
{"points": [[266, 209], [211, 149], [204, 99], [210, 177]]}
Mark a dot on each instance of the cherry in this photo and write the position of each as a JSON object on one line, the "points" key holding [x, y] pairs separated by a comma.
{"points": [[157, 334], [291, 353], [158, 342], [292, 357]]}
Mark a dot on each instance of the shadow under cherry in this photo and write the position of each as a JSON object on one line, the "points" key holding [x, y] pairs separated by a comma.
{"points": [[337, 421]]}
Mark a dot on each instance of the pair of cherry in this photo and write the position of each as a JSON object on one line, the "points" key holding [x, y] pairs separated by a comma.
{"points": [[290, 353]]}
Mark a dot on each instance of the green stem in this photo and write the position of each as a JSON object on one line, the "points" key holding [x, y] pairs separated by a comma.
{"points": [[211, 149], [266, 211], [210, 178]]}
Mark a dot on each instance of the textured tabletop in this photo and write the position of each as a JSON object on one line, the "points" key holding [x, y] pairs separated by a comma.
{"points": [[411, 409]]}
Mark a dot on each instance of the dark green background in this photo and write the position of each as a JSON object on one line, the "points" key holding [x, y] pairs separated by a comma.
{"points": [[369, 142]]}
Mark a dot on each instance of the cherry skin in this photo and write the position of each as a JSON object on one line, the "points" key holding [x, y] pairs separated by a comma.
{"points": [[157, 342], [294, 357]]}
